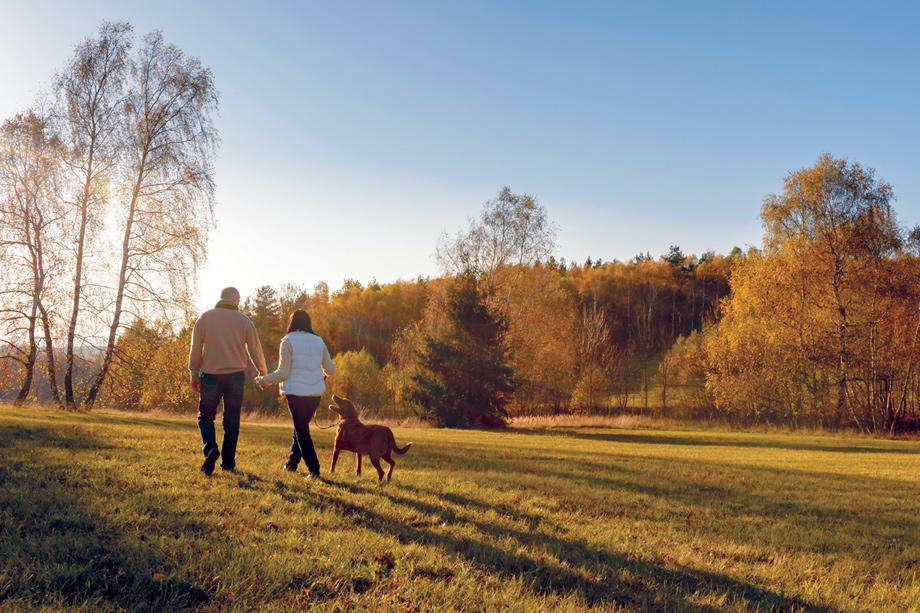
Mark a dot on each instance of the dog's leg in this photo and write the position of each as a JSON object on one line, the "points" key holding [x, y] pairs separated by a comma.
{"points": [[335, 457], [358, 473], [376, 463], [390, 461]]}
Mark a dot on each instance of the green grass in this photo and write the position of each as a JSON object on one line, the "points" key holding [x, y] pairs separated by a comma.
{"points": [[108, 511]]}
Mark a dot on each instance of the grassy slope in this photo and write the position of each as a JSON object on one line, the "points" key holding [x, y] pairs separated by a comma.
{"points": [[108, 511]]}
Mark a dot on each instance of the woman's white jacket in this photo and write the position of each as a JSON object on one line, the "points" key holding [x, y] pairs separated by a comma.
{"points": [[302, 360]]}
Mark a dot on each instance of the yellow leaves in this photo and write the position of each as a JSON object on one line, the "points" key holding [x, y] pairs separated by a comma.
{"points": [[358, 377]]}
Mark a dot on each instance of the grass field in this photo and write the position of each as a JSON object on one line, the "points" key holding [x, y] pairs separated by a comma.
{"points": [[107, 511]]}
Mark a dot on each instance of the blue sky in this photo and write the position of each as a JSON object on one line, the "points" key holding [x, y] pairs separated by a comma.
{"points": [[354, 133]]}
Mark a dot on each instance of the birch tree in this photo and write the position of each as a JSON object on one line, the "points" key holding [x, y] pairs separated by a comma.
{"points": [[167, 186], [29, 163], [843, 213], [513, 230], [90, 94]]}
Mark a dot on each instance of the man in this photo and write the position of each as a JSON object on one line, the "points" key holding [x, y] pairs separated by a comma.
{"points": [[225, 345]]}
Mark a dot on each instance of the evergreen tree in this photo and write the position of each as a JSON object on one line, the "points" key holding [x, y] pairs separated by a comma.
{"points": [[463, 377], [264, 309]]}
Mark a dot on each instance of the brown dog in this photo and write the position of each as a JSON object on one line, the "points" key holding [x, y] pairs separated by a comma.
{"points": [[374, 441]]}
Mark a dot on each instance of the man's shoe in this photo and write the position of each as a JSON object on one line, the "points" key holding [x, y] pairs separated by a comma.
{"points": [[209, 460], [228, 469], [312, 476]]}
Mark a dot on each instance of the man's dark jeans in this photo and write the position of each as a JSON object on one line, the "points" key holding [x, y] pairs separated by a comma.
{"points": [[302, 409], [228, 387]]}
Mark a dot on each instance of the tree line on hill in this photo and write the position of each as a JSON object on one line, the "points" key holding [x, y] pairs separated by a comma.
{"points": [[584, 338]]}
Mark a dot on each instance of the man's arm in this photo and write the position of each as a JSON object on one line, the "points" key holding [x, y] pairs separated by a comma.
{"points": [[254, 347], [195, 355]]}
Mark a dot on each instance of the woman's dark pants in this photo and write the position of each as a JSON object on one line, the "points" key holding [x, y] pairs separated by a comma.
{"points": [[302, 409], [213, 388]]}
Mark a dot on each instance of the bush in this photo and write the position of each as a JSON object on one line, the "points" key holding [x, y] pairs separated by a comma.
{"points": [[359, 378]]}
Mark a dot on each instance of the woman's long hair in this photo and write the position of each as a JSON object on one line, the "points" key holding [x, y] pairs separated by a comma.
{"points": [[299, 322]]}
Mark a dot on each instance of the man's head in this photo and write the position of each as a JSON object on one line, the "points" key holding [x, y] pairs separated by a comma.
{"points": [[231, 294]]}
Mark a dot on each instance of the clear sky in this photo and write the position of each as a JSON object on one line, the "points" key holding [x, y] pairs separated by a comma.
{"points": [[354, 133]]}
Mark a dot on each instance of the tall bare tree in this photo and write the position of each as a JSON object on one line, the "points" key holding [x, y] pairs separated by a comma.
{"points": [[168, 184], [512, 230], [593, 350], [91, 92]]}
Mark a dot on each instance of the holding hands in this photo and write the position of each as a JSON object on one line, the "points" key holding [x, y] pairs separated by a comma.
{"points": [[260, 383]]}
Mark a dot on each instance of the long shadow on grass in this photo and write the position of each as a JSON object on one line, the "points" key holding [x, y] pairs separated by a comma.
{"points": [[594, 574], [180, 422], [463, 501], [812, 504], [802, 509], [53, 550], [689, 440]]}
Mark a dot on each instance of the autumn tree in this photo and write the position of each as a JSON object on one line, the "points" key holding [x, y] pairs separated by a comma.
{"points": [[166, 386], [30, 238], [593, 352], [132, 361], [840, 212], [818, 324], [542, 323], [686, 366], [359, 378]]}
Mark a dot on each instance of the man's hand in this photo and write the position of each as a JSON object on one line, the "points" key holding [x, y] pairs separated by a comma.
{"points": [[195, 384], [262, 386]]}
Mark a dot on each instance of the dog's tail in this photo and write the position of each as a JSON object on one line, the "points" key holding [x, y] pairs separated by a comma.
{"points": [[397, 449]]}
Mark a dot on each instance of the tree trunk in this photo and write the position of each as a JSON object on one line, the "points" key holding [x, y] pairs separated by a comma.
{"points": [[49, 353], [907, 377], [843, 405], [664, 392], [26, 383], [120, 292], [69, 399], [29, 364], [39, 271]]}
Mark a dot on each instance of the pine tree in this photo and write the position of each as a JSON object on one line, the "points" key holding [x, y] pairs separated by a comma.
{"points": [[264, 309], [463, 377]]}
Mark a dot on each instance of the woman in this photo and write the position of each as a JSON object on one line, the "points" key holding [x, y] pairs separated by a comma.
{"points": [[303, 364]]}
